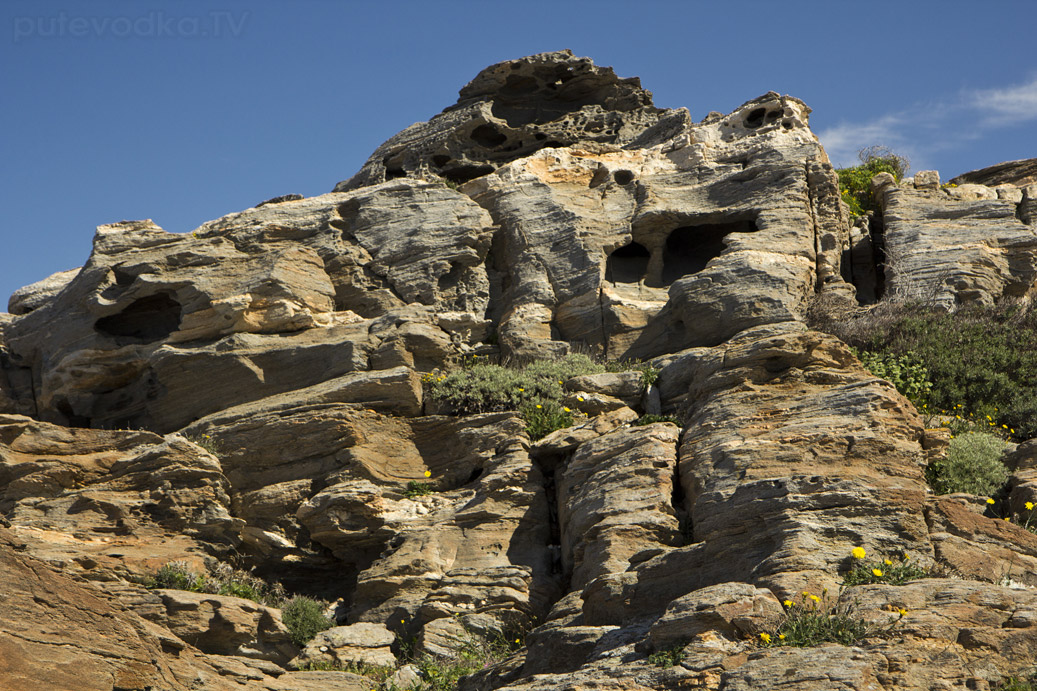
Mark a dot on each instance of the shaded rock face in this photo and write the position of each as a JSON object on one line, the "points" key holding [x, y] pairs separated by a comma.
{"points": [[251, 395]]}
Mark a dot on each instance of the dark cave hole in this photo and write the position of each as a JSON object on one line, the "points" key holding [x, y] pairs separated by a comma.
{"points": [[688, 249], [623, 177], [145, 320], [451, 278], [488, 136], [440, 160], [755, 118], [462, 174], [628, 264]]}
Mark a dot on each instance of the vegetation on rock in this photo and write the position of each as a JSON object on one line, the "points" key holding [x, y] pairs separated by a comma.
{"points": [[304, 617], [855, 182], [973, 464]]}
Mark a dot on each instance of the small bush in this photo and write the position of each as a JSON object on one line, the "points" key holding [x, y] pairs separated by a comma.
{"points": [[471, 654], [814, 621], [973, 464], [652, 419], [667, 658], [221, 579], [905, 372], [892, 571], [545, 417], [417, 489], [176, 575], [855, 182], [304, 618]]}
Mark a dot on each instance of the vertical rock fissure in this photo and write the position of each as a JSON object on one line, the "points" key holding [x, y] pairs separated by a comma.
{"points": [[678, 499]]}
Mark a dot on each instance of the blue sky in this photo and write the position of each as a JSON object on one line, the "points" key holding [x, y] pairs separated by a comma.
{"points": [[184, 111]]}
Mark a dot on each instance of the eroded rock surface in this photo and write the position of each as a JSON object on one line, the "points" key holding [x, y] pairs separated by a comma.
{"points": [[251, 395]]}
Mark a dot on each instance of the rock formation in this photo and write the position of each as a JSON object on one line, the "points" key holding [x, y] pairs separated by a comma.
{"points": [[255, 393]]}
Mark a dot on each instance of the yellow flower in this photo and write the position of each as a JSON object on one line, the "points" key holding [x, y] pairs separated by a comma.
{"points": [[539, 406], [877, 572], [566, 410], [859, 553], [559, 381], [428, 473], [989, 500], [806, 594], [1006, 518], [781, 636], [815, 598], [906, 557], [1029, 506], [765, 637], [788, 603], [580, 399], [521, 390], [517, 640], [887, 562], [402, 621]]}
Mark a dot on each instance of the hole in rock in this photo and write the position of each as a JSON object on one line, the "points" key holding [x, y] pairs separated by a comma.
{"points": [[755, 118], [628, 264], [488, 136], [462, 174], [451, 278], [623, 177], [440, 160], [393, 173], [147, 319], [688, 249]]}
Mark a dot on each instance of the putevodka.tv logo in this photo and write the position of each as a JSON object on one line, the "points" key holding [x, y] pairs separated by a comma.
{"points": [[154, 24]]}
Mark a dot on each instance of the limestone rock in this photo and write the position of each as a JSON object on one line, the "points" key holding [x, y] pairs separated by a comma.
{"points": [[362, 644], [1017, 173], [32, 296], [111, 503], [734, 610], [225, 625], [963, 246]]}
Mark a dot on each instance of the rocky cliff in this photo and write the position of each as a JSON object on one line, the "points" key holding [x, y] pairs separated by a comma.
{"points": [[256, 394]]}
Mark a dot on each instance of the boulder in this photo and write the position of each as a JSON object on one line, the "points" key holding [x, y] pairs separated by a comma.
{"points": [[357, 644], [1017, 173]]}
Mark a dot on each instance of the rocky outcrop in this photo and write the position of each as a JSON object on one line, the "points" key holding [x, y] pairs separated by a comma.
{"points": [[951, 246], [1017, 173], [256, 394]]}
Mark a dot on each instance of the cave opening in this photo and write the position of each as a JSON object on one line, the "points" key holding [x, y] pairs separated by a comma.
{"points": [[628, 264], [689, 248], [145, 320]]}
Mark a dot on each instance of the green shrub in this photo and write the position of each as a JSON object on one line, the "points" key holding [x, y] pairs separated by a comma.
{"points": [[652, 419], [855, 182], [545, 417], [471, 654], [176, 575], [1014, 683], [417, 489], [905, 372], [668, 658], [479, 387], [814, 621], [973, 464], [893, 571], [982, 360], [304, 618]]}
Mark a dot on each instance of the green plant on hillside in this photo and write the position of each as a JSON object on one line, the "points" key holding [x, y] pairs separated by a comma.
{"points": [[892, 571], [973, 464], [221, 579], [471, 653], [304, 618], [855, 182], [545, 417], [652, 419], [982, 362], [206, 442], [670, 657], [905, 372], [417, 489], [814, 620]]}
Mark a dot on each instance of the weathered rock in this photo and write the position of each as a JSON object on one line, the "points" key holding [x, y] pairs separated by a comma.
{"points": [[362, 644], [957, 246], [734, 610], [784, 433], [111, 503], [59, 634], [927, 180], [224, 625], [1018, 173], [25, 300], [615, 501]]}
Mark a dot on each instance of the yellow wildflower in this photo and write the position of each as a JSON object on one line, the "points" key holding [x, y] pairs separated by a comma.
{"points": [[989, 500], [580, 399], [887, 562], [1006, 518], [902, 611], [858, 553], [877, 572], [765, 637], [539, 406], [788, 603], [521, 389], [815, 598], [1029, 506], [906, 557], [428, 473], [566, 409], [781, 636]]}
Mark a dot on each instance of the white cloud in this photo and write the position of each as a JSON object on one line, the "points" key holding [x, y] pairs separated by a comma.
{"points": [[1011, 105], [922, 130]]}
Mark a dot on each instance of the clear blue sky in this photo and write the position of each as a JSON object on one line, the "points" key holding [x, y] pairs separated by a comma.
{"points": [[184, 111]]}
